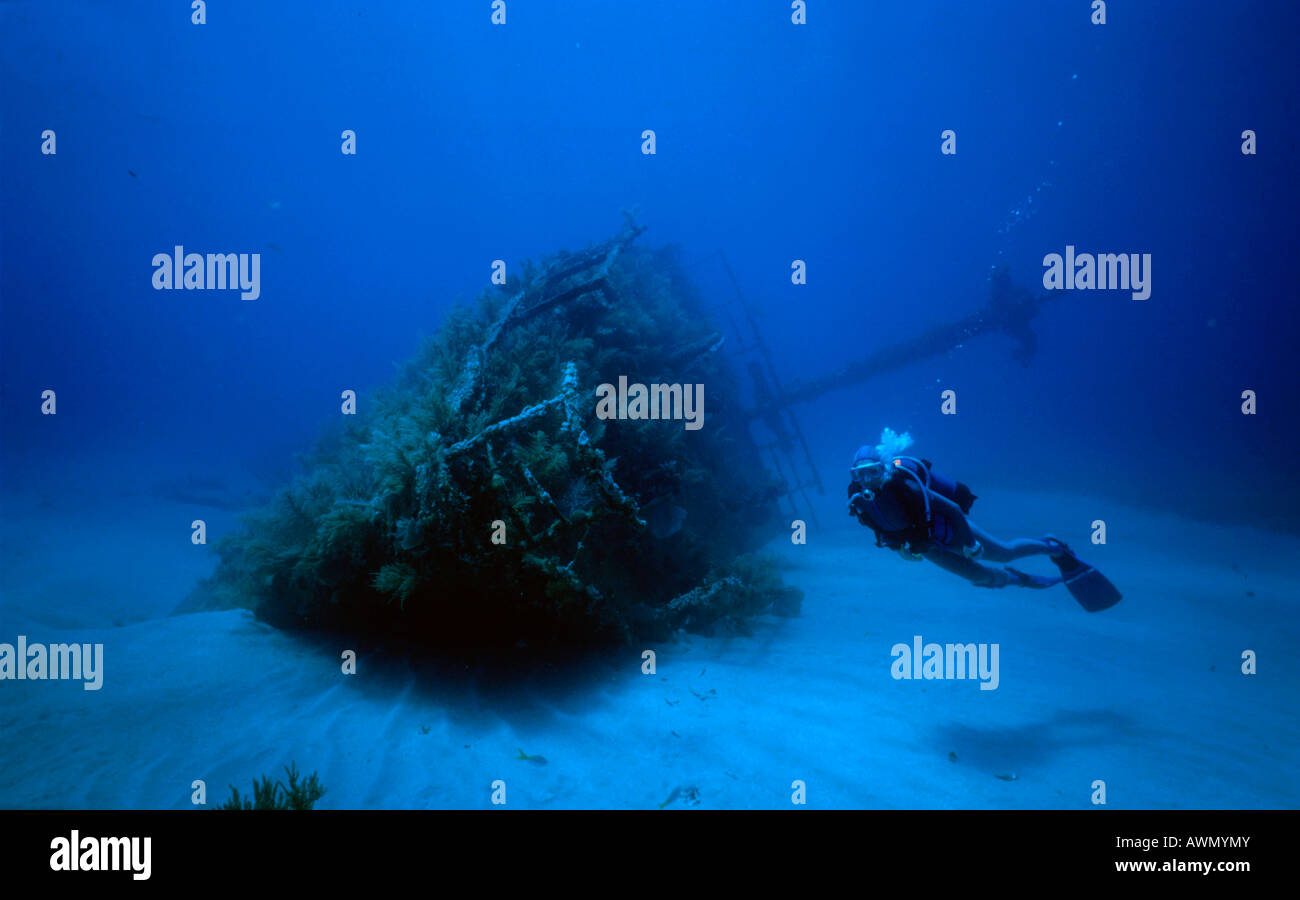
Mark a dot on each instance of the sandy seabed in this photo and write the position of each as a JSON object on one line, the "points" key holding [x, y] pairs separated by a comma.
{"points": [[1148, 697]]}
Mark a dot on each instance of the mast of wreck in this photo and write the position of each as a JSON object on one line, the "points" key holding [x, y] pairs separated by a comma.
{"points": [[1010, 310]]}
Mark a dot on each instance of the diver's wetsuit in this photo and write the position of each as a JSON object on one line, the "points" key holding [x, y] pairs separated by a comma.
{"points": [[897, 515]]}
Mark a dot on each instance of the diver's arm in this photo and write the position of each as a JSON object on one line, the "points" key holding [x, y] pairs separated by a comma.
{"points": [[942, 506], [858, 504]]}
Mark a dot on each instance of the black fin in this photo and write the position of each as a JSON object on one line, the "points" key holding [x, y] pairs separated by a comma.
{"points": [[1090, 588]]}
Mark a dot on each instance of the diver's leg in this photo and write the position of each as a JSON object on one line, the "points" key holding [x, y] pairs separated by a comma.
{"points": [[1000, 551], [976, 573], [981, 575]]}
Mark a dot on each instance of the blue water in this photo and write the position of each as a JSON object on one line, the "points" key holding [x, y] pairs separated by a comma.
{"points": [[775, 142]]}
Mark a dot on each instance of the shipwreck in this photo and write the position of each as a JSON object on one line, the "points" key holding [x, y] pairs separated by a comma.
{"points": [[480, 499]]}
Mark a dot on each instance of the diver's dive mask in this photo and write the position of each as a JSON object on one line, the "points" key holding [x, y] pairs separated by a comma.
{"points": [[867, 474]]}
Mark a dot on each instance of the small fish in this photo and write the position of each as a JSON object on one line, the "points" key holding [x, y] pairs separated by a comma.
{"points": [[132, 174], [539, 760], [952, 756], [1008, 776]]}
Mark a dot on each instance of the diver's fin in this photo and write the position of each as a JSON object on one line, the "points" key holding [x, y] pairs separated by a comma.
{"points": [[1092, 589]]}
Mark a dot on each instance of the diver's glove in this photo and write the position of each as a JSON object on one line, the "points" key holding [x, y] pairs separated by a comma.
{"points": [[858, 504], [909, 554]]}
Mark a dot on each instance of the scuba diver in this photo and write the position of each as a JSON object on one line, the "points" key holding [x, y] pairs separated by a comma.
{"points": [[924, 515]]}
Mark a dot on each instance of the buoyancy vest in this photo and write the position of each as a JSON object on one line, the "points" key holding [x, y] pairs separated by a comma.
{"points": [[900, 511]]}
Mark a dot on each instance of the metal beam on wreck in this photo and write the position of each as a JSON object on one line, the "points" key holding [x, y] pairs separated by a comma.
{"points": [[1010, 310]]}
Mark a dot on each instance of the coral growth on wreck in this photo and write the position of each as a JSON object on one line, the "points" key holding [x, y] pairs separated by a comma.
{"points": [[480, 499]]}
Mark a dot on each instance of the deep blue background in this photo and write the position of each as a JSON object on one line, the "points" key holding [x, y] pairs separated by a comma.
{"points": [[775, 142]]}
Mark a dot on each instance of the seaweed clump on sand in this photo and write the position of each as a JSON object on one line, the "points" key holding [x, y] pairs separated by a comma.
{"points": [[277, 795], [480, 499]]}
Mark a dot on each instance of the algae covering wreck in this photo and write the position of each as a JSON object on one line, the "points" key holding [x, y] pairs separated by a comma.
{"points": [[480, 499]]}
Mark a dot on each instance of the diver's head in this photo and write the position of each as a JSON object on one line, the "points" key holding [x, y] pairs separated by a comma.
{"points": [[867, 470]]}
